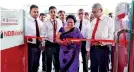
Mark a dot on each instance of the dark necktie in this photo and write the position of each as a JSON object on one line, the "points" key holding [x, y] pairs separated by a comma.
{"points": [[63, 23], [37, 33], [54, 30], [80, 26]]}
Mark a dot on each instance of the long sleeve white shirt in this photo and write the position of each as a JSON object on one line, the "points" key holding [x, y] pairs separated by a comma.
{"points": [[47, 29], [85, 27], [105, 30], [30, 27], [85, 31]]}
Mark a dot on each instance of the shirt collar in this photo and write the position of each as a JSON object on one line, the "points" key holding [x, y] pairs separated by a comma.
{"points": [[102, 17], [31, 18], [80, 20], [63, 20], [52, 19]]}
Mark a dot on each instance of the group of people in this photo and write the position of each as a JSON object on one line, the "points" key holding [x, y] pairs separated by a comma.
{"points": [[59, 37]]}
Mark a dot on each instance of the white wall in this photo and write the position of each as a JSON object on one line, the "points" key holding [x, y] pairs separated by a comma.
{"points": [[44, 4]]}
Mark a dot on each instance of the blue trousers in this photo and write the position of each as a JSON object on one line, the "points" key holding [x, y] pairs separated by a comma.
{"points": [[33, 57], [99, 58]]}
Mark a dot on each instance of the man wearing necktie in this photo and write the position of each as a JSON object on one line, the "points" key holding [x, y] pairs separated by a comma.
{"points": [[102, 29], [32, 28], [61, 14], [84, 26], [49, 30]]}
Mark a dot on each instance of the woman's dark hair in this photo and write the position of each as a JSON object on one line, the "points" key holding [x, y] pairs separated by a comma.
{"points": [[72, 17]]}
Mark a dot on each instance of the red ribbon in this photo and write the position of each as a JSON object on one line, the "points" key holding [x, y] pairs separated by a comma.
{"points": [[78, 39], [33, 37], [99, 40]]}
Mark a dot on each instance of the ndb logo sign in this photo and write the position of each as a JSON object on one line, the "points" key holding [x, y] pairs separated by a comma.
{"points": [[10, 33], [1, 34]]}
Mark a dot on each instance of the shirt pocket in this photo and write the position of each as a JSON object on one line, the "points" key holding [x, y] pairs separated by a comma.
{"points": [[50, 28], [105, 32], [84, 32]]}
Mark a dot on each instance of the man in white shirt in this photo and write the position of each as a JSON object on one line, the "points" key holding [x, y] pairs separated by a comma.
{"points": [[87, 16], [91, 17], [62, 17], [32, 28], [42, 17], [84, 26], [102, 28], [50, 30]]}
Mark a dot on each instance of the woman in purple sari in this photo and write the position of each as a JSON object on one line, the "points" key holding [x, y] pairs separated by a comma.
{"points": [[69, 51]]}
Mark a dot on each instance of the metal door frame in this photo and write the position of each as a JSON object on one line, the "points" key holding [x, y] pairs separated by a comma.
{"points": [[117, 48]]}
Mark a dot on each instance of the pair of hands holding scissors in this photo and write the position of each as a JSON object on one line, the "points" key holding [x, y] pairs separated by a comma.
{"points": [[67, 41]]}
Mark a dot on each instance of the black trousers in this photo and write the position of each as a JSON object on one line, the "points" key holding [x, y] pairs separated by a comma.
{"points": [[52, 52], [84, 56], [33, 57], [43, 60], [99, 58]]}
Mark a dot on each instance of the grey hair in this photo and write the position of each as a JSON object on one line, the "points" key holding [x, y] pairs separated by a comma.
{"points": [[97, 5]]}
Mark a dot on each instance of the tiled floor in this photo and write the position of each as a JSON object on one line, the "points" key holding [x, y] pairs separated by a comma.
{"points": [[80, 70]]}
